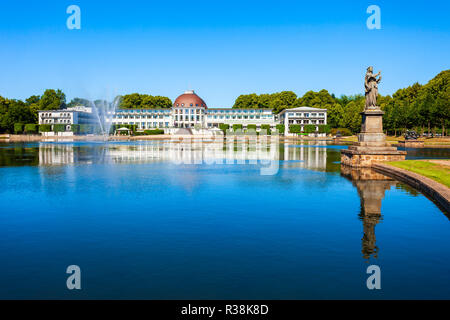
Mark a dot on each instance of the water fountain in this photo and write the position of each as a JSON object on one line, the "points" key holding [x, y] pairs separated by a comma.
{"points": [[104, 112]]}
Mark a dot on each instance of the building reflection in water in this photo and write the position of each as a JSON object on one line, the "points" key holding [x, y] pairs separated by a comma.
{"points": [[312, 155], [371, 188], [265, 153]]}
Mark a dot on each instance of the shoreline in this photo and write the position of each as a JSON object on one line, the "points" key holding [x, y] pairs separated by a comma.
{"points": [[12, 138], [433, 189], [38, 138]]}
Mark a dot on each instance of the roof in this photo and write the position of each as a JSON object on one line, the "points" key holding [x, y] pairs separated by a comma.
{"points": [[305, 109], [189, 99]]}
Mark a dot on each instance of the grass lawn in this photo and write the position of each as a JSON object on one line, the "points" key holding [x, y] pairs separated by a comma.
{"points": [[437, 172]]}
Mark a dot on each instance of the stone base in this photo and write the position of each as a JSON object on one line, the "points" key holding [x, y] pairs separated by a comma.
{"points": [[366, 158], [411, 144]]}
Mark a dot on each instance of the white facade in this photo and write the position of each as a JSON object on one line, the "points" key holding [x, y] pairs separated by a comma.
{"points": [[197, 117], [303, 116], [69, 116]]}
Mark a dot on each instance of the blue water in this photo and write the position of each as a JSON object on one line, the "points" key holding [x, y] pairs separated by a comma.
{"points": [[141, 225]]}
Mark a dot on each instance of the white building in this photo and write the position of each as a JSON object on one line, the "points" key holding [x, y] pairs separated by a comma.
{"points": [[191, 112], [303, 116], [69, 116]]}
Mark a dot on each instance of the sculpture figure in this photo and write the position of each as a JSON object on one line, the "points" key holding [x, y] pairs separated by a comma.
{"points": [[371, 86]]}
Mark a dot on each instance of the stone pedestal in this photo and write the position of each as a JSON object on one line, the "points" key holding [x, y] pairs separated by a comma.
{"points": [[371, 146]]}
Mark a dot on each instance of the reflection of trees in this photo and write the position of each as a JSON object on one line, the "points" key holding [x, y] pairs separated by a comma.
{"points": [[409, 190], [19, 155], [371, 188]]}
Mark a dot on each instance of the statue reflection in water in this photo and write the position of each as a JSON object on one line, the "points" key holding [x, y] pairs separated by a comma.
{"points": [[371, 188]]}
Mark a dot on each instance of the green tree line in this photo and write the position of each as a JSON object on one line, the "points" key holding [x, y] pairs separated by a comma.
{"points": [[144, 101], [13, 111], [420, 107]]}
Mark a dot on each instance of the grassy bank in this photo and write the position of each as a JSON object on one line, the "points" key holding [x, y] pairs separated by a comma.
{"points": [[443, 141], [437, 171]]}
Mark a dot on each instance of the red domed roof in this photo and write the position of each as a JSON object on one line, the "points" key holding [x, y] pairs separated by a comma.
{"points": [[189, 99]]}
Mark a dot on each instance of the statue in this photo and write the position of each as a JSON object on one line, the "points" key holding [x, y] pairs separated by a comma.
{"points": [[371, 84]]}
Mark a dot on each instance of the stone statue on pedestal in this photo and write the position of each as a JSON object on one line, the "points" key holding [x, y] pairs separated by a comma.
{"points": [[371, 85], [371, 146]]}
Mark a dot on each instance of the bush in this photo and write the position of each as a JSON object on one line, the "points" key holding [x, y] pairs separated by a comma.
{"points": [[280, 128], [324, 128], [251, 127], [343, 131], [75, 128], [309, 128], [154, 131], [237, 127], [18, 128], [45, 128], [224, 127], [86, 129], [31, 128], [266, 128], [59, 127], [295, 128]]}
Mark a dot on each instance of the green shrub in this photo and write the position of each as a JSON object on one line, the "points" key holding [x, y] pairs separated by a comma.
{"points": [[237, 127], [224, 127], [31, 128], [85, 129], [309, 128], [75, 128], [343, 131], [251, 127], [59, 127], [266, 128], [154, 131], [45, 128], [280, 128], [324, 128], [295, 128], [18, 128]]}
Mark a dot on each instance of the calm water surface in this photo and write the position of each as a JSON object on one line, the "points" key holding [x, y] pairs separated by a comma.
{"points": [[161, 220]]}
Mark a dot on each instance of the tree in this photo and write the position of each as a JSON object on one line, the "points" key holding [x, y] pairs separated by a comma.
{"points": [[79, 102], [144, 101], [52, 100], [14, 111]]}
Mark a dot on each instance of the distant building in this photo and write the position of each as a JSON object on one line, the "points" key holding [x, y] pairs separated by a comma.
{"points": [[303, 116], [191, 112], [69, 116]]}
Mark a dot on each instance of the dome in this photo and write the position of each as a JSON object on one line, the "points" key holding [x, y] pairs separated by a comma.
{"points": [[189, 99]]}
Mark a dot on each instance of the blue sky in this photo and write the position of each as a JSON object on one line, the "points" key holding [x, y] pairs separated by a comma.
{"points": [[219, 48]]}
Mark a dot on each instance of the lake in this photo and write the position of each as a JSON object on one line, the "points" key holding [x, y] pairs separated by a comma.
{"points": [[204, 220]]}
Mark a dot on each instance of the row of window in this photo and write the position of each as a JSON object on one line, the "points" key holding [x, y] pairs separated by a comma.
{"points": [[51, 114], [306, 114], [144, 125], [186, 118], [187, 111], [143, 111], [191, 105], [239, 111], [118, 116], [242, 117], [306, 121], [56, 121]]}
